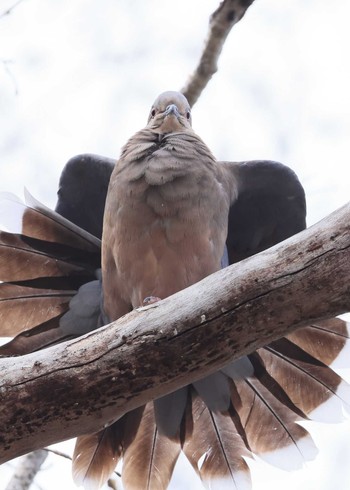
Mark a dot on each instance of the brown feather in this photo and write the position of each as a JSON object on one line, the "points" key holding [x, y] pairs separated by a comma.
{"points": [[215, 449], [22, 308], [23, 259], [270, 426], [35, 220], [149, 457], [322, 340], [36, 338], [307, 381], [96, 455]]}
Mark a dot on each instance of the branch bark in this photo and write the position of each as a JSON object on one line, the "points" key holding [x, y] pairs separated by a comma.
{"points": [[221, 22], [85, 384]]}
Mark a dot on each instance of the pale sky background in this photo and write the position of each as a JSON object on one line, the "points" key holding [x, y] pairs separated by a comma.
{"points": [[79, 76]]}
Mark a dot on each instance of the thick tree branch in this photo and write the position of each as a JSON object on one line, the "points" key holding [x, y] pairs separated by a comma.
{"points": [[84, 384], [221, 22]]}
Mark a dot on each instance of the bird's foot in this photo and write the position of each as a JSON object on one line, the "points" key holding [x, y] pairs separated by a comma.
{"points": [[150, 300]]}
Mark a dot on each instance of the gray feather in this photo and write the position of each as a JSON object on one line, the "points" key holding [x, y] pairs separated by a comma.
{"points": [[214, 391], [242, 368], [169, 411], [84, 310]]}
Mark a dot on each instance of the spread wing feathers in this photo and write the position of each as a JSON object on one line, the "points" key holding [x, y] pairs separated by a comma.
{"points": [[35, 220], [215, 448], [149, 457], [82, 191], [268, 208], [96, 455], [22, 307]]}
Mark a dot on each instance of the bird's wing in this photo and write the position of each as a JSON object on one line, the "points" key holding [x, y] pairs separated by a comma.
{"points": [[82, 191], [267, 206]]}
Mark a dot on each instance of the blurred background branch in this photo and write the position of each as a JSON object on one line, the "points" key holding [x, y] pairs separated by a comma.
{"points": [[10, 9], [5, 64], [26, 470], [221, 22]]}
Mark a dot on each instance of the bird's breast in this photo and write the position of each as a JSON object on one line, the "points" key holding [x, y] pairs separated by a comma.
{"points": [[165, 222]]}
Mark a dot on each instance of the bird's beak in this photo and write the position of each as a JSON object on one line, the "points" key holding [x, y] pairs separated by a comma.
{"points": [[172, 109]]}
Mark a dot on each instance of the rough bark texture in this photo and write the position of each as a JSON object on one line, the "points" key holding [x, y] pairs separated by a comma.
{"points": [[221, 22], [82, 385]]}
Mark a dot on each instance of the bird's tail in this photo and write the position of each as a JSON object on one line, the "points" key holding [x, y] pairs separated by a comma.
{"points": [[251, 407], [45, 261]]}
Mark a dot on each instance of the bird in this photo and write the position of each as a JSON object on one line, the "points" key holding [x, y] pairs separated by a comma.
{"points": [[136, 230]]}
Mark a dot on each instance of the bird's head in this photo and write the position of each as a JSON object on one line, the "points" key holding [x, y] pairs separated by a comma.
{"points": [[170, 113]]}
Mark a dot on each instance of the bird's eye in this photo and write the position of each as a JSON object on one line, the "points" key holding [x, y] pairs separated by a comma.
{"points": [[188, 114], [153, 112]]}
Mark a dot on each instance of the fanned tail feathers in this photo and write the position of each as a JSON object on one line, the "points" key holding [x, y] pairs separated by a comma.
{"points": [[96, 455], [23, 307], [44, 262], [215, 449], [35, 220], [149, 457]]}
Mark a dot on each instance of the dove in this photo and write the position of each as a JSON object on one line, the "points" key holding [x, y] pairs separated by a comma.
{"points": [[169, 214]]}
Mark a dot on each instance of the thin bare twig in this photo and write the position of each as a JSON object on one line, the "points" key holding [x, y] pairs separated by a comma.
{"points": [[9, 10], [221, 22], [66, 456], [58, 453], [5, 64]]}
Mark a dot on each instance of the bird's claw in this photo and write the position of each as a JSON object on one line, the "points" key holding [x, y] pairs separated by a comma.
{"points": [[149, 300]]}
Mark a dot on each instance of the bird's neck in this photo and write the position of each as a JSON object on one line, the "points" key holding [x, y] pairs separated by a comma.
{"points": [[147, 143]]}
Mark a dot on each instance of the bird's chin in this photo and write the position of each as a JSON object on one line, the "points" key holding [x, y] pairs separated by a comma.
{"points": [[171, 124]]}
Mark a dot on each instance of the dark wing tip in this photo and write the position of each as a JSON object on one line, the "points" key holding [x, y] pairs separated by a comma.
{"points": [[82, 191], [269, 208]]}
